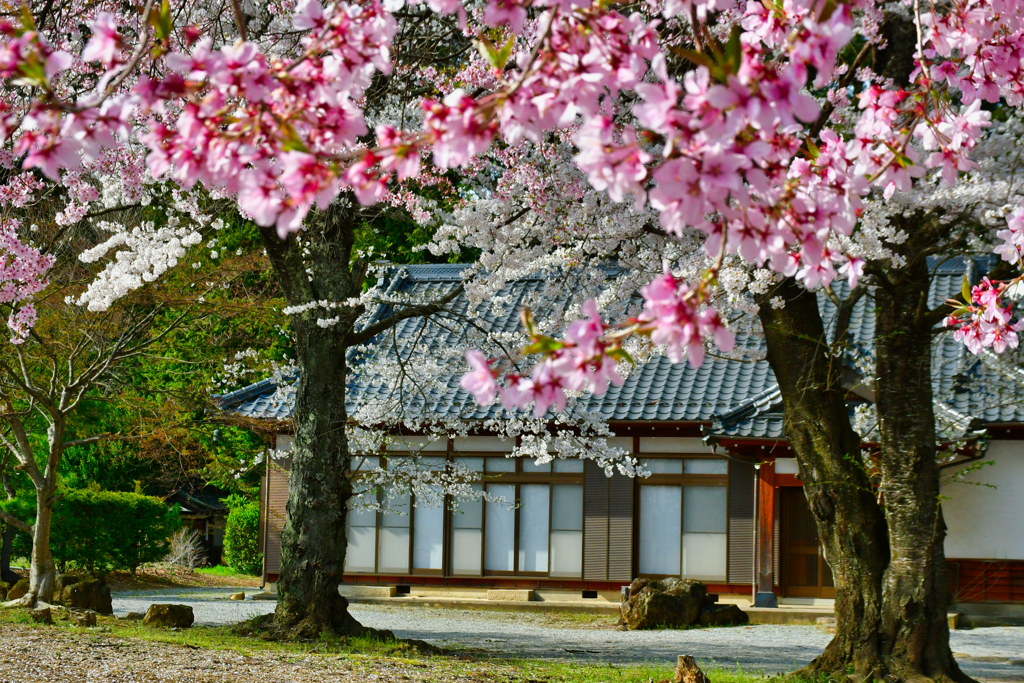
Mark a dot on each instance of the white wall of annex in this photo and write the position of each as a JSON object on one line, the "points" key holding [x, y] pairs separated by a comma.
{"points": [[984, 522]]}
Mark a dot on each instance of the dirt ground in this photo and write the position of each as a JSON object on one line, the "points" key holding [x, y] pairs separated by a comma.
{"points": [[31, 655], [159, 577]]}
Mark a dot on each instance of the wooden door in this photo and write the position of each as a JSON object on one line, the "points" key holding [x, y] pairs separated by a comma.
{"points": [[805, 574]]}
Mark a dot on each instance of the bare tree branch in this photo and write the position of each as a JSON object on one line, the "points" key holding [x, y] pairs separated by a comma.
{"points": [[436, 306], [15, 522]]}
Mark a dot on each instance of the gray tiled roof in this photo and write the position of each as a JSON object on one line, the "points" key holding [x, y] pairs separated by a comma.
{"points": [[658, 391]]}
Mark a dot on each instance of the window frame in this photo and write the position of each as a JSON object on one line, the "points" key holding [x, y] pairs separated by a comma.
{"points": [[681, 481], [515, 478]]}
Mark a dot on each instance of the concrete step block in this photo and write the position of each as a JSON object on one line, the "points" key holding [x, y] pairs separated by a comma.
{"points": [[372, 591], [511, 595]]}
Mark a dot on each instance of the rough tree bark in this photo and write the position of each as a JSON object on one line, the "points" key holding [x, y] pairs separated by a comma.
{"points": [[313, 541], [850, 524], [915, 594]]}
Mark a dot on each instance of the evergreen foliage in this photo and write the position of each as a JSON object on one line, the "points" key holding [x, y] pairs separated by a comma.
{"points": [[241, 537], [100, 530]]}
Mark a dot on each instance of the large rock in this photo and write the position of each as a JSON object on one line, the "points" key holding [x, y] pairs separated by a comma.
{"points": [[18, 590], [668, 603], [91, 594], [723, 615], [172, 616]]}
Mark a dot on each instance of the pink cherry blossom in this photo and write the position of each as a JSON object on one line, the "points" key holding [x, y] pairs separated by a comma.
{"points": [[105, 44], [480, 381]]}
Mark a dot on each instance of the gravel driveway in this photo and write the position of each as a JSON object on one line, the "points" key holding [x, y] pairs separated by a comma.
{"points": [[988, 653]]}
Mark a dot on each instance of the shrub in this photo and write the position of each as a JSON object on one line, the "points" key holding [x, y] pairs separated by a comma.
{"points": [[187, 549], [241, 537], [101, 530]]}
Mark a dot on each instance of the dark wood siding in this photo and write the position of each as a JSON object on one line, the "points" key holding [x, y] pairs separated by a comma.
{"points": [[595, 523], [620, 528], [741, 522], [986, 580]]}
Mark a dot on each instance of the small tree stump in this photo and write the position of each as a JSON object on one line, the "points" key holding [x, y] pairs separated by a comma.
{"points": [[86, 618], [42, 615], [687, 671]]}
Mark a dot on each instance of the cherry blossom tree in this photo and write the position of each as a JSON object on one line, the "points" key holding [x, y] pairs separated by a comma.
{"points": [[759, 132]]}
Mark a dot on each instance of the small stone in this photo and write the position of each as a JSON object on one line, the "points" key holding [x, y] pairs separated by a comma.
{"points": [[687, 671], [826, 624], [265, 596], [18, 590], [42, 615], [133, 616], [170, 616], [86, 618], [237, 596]]}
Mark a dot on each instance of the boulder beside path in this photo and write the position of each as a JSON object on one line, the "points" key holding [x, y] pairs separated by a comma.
{"points": [[170, 616], [673, 603]]}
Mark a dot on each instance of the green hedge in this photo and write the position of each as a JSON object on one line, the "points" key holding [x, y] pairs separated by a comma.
{"points": [[241, 537], [101, 530]]}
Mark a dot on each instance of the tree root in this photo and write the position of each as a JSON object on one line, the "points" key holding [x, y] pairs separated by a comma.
{"points": [[880, 670], [27, 600], [269, 627]]}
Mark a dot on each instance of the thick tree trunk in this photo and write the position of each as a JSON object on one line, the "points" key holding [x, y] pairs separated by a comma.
{"points": [[915, 593], [313, 541], [42, 571], [850, 524]]}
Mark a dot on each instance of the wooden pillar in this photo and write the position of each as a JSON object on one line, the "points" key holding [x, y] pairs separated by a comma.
{"points": [[766, 492]]}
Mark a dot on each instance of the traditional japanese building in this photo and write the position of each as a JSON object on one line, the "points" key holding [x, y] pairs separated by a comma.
{"points": [[723, 502]]}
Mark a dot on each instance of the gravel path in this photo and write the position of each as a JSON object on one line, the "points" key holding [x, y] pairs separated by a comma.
{"points": [[989, 653]]}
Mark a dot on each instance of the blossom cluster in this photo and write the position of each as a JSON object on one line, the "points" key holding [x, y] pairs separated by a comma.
{"points": [[583, 360], [23, 270], [985, 319], [736, 149]]}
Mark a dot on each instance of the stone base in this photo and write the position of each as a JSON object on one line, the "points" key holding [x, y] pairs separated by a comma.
{"points": [[765, 599], [372, 591], [510, 595]]}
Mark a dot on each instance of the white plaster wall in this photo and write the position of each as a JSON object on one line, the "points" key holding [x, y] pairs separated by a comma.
{"points": [[489, 444], [786, 466], [673, 444], [623, 442], [987, 523], [417, 444]]}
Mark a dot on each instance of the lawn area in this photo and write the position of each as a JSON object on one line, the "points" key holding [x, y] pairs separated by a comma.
{"points": [[223, 654]]}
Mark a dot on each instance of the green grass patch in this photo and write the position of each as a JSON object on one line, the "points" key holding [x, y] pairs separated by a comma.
{"points": [[222, 572], [367, 654]]}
